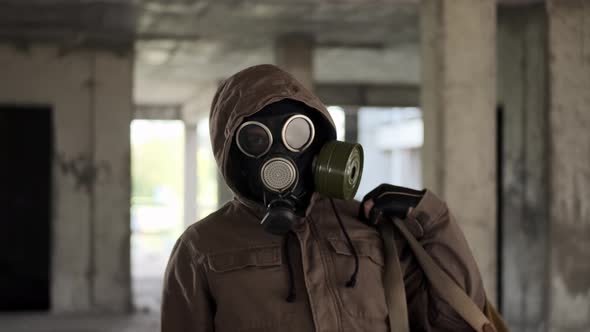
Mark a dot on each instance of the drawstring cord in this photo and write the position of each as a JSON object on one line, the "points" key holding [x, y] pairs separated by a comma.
{"points": [[291, 296], [352, 282]]}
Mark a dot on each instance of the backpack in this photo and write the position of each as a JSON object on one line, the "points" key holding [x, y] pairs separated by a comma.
{"points": [[488, 320]]}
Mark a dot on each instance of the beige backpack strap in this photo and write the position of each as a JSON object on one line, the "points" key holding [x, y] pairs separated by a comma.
{"points": [[448, 290], [395, 291]]}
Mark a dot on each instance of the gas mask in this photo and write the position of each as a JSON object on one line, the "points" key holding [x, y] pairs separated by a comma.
{"points": [[284, 153]]}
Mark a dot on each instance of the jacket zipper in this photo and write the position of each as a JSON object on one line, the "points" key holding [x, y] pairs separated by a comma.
{"points": [[327, 269]]}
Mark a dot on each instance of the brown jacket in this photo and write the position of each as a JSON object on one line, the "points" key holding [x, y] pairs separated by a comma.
{"points": [[226, 274]]}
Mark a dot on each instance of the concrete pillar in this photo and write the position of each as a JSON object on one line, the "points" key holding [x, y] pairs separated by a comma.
{"points": [[569, 178], [112, 112], [193, 111], [190, 173], [294, 53], [522, 95], [458, 98], [351, 119]]}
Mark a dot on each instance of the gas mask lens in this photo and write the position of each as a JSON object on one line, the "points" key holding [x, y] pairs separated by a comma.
{"points": [[298, 133], [254, 139]]}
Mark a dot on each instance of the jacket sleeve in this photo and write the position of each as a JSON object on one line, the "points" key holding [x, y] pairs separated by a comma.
{"points": [[436, 229], [187, 304]]}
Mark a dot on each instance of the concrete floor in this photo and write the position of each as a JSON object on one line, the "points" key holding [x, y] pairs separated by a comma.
{"points": [[147, 294], [79, 323], [147, 318]]}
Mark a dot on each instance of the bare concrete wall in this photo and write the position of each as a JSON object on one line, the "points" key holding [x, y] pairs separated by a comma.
{"points": [[522, 95], [569, 205], [91, 96], [458, 99]]}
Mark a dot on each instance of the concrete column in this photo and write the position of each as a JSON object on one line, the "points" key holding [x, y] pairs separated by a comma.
{"points": [[522, 95], [193, 111], [458, 98], [112, 110], [294, 53], [190, 173], [569, 178], [351, 123]]}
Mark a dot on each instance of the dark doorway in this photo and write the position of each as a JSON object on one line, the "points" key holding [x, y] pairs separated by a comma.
{"points": [[25, 215]]}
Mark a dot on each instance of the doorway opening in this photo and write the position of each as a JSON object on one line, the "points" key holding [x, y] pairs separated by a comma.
{"points": [[175, 184], [26, 142], [157, 148]]}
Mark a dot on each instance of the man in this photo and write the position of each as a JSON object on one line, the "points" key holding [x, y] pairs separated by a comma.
{"points": [[283, 257]]}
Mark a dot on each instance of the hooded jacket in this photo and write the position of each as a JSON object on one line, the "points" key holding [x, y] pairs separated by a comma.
{"points": [[226, 274]]}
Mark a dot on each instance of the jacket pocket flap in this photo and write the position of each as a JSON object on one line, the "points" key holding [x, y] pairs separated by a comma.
{"points": [[239, 259], [364, 248]]}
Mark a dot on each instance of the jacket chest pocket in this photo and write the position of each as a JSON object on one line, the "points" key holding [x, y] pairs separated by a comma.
{"points": [[245, 270], [267, 256], [367, 298], [247, 286]]}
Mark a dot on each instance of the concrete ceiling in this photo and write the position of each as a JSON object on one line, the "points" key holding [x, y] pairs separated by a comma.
{"points": [[183, 46], [373, 41]]}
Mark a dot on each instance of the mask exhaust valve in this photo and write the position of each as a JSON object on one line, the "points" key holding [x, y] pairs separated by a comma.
{"points": [[280, 217]]}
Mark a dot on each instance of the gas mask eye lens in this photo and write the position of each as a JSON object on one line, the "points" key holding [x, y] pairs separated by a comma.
{"points": [[298, 133], [254, 139]]}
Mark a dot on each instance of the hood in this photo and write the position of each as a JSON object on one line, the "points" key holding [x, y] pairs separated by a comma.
{"points": [[245, 94]]}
